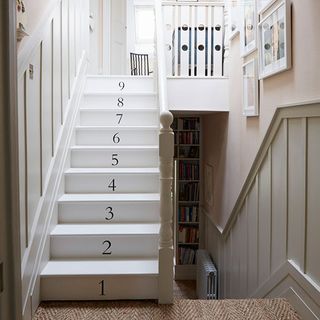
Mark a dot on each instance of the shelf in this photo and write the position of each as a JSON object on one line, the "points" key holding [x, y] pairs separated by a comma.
{"points": [[188, 222], [189, 159], [189, 144], [186, 201], [188, 243], [190, 180]]}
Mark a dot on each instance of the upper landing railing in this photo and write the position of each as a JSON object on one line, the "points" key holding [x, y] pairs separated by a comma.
{"points": [[194, 38]]}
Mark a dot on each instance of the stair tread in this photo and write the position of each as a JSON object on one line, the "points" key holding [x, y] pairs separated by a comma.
{"points": [[116, 93], [110, 197], [117, 127], [100, 267], [106, 229], [129, 147], [152, 110], [117, 76], [112, 170]]}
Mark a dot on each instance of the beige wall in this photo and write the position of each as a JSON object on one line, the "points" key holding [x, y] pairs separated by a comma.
{"points": [[232, 141]]}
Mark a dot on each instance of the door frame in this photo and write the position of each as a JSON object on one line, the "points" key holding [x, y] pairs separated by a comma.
{"points": [[10, 256]]}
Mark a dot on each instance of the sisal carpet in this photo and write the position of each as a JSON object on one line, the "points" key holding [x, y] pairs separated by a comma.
{"points": [[254, 309]]}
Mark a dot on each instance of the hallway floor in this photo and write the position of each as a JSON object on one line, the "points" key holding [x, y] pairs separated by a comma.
{"points": [[184, 308]]}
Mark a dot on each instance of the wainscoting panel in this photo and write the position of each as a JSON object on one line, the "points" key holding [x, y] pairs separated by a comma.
{"points": [[50, 82], [270, 246]]}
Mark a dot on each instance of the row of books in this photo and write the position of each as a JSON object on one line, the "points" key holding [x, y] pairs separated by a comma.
{"points": [[188, 214], [189, 191], [187, 124], [188, 234], [189, 137], [187, 255], [189, 171], [189, 152]]}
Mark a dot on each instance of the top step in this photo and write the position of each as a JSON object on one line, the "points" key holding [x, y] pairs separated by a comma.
{"points": [[118, 84]]}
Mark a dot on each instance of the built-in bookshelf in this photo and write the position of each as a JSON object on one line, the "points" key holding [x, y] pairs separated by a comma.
{"points": [[187, 193]]}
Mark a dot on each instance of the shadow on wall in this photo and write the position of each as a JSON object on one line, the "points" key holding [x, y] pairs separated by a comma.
{"points": [[215, 133]]}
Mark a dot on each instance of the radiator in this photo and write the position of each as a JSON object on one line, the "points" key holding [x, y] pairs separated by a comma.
{"points": [[207, 276]]}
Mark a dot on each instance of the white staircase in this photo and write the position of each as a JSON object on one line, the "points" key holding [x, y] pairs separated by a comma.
{"points": [[106, 243]]}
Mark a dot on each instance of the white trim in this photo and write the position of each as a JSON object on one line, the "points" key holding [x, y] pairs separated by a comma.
{"points": [[106, 37]]}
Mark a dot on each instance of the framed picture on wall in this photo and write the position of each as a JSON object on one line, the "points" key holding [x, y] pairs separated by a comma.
{"points": [[234, 20], [250, 88], [274, 33], [248, 32]]}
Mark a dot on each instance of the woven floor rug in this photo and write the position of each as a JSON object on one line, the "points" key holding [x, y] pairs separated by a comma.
{"points": [[255, 309]]}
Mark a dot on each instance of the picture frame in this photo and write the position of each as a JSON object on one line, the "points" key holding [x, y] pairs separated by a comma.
{"points": [[250, 88], [234, 21], [248, 32], [274, 33]]}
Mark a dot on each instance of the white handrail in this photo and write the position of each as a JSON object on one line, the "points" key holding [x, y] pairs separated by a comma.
{"points": [[166, 147]]}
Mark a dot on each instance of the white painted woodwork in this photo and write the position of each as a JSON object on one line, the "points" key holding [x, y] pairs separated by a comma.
{"points": [[166, 152], [101, 180], [201, 94], [108, 136], [103, 84], [101, 156], [48, 99], [110, 100], [270, 247], [94, 208], [112, 117], [194, 39]]}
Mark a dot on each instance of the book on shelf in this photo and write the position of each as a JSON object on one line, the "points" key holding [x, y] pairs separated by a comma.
{"points": [[188, 214], [189, 138], [188, 123], [189, 171], [188, 234], [189, 191], [187, 255]]}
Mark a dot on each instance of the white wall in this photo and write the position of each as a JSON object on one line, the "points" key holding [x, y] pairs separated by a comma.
{"points": [[46, 101]]}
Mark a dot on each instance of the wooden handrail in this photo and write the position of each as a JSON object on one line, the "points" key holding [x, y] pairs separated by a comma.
{"points": [[166, 147]]}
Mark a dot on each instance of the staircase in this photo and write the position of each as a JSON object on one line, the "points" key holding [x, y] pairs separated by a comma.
{"points": [[105, 245]]}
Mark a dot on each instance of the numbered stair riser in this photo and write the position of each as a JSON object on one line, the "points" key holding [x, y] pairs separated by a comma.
{"points": [[109, 212], [114, 158], [116, 136], [111, 183], [117, 117], [104, 246], [104, 287], [121, 102], [103, 84]]}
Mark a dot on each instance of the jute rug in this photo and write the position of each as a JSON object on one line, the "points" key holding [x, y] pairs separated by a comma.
{"points": [[255, 309]]}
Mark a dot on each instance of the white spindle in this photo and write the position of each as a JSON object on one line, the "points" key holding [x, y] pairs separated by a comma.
{"points": [[201, 40], [166, 147], [168, 30], [218, 41], [184, 42]]}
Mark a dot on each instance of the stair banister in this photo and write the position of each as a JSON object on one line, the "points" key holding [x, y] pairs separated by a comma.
{"points": [[166, 149]]}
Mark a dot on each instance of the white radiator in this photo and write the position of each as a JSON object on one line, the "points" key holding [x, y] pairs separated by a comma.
{"points": [[207, 277]]}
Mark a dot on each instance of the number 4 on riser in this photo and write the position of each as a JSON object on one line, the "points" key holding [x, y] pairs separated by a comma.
{"points": [[112, 185]]}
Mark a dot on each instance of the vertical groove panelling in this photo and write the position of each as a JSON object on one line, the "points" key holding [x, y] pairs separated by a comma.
{"points": [[40, 117], [279, 205], [33, 132], [296, 190], [264, 219], [313, 201], [64, 57], [22, 163], [235, 271], [243, 251], [252, 225], [51, 80], [229, 266], [56, 78], [46, 104], [71, 44]]}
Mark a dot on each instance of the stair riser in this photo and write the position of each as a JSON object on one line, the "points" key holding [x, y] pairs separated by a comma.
{"points": [[121, 158], [111, 101], [104, 246], [118, 118], [109, 212], [127, 287], [119, 84], [100, 137], [103, 183]]}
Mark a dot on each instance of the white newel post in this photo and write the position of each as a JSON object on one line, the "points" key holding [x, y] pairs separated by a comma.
{"points": [[166, 150]]}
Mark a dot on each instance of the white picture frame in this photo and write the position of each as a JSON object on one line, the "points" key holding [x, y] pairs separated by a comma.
{"points": [[234, 20], [248, 31], [274, 34], [250, 88]]}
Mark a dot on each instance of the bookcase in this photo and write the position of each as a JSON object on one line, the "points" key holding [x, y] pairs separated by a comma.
{"points": [[187, 131]]}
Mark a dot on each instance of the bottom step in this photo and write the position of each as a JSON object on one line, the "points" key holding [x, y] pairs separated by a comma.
{"points": [[100, 280]]}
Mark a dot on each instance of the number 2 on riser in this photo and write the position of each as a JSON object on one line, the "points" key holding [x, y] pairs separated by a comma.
{"points": [[106, 251]]}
